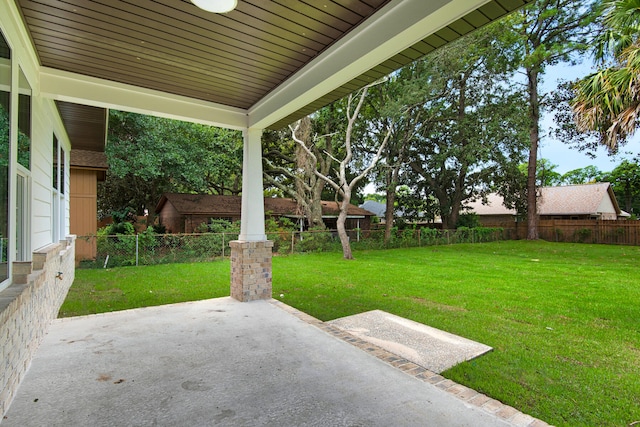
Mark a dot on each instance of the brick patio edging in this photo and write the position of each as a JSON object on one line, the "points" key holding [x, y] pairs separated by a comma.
{"points": [[466, 394]]}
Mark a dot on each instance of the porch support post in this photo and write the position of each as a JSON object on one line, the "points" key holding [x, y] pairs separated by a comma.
{"points": [[251, 253]]}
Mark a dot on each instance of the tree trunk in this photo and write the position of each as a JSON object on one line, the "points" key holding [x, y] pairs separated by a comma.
{"points": [[308, 187], [445, 217], [315, 205], [237, 186], [388, 215], [455, 213], [534, 137], [391, 200], [151, 217], [342, 231]]}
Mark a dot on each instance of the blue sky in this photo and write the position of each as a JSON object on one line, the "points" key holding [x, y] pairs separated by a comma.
{"points": [[558, 152]]}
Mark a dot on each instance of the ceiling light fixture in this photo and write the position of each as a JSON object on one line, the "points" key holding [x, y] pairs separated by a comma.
{"points": [[216, 6]]}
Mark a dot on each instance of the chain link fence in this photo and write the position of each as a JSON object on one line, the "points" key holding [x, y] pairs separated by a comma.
{"points": [[149, 249]]}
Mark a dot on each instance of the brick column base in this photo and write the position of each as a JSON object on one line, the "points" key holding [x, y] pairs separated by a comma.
{"points": [[251, 270]]}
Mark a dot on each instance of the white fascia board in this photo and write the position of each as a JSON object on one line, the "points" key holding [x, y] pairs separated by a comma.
{"points": [[399, 25], [71, 87]]}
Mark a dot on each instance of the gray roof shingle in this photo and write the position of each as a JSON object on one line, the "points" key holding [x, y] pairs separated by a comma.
{"points": [[89, 159], [583, 199]]}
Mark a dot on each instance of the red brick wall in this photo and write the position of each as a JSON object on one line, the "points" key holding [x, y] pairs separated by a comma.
{"points": [[171, 219]]}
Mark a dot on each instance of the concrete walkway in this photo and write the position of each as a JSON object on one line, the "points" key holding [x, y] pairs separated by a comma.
{"points": [[428, 347], [221, 362]]}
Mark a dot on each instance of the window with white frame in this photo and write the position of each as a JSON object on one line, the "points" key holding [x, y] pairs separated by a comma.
{"points": [[55, 193], [5, 136], [63, 205], [58, 204], [23, 171]]}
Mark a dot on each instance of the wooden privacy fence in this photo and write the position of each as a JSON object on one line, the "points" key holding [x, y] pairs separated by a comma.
{"points": [[620, 232]]}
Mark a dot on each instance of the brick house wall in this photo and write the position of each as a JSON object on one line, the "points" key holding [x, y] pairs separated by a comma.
{"points": [[192, 222], [171, 219], [27, 308]]}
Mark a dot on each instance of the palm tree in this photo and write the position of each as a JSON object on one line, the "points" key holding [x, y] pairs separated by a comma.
{"points": [[608, 101]]}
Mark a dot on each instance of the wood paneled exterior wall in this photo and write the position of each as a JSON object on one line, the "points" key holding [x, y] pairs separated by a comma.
{"points": [[84, 215]]}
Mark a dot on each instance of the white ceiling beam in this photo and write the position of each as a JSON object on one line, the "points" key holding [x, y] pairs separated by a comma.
{"points": [[70, 87], [394, 28]]}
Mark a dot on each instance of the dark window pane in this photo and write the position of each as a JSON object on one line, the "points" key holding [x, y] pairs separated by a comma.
{"points": [[24, 122], [5, 91], [63, 158], [54, 172]]}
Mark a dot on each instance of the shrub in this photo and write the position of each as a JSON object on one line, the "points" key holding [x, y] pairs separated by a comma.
{"points": [[488, 234], [160, 229], [468, 220], [211, 240], [582, 234], [219, 225], [119, 247], [316, 239], [429, 236], [280, 231], [463, 234], [559, 234]]}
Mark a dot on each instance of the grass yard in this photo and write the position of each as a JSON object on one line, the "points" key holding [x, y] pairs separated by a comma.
{"points": [[564, 319], [122, 288]]}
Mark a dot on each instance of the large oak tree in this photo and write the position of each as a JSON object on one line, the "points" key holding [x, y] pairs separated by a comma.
{"points": [[461, 123], [148, 156]]}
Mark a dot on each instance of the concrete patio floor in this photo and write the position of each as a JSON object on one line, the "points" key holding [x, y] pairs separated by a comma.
{"points": [[222, 362]]}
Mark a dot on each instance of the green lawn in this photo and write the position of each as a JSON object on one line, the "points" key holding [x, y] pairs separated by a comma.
{"points": [[113, 289], [564, 319]]}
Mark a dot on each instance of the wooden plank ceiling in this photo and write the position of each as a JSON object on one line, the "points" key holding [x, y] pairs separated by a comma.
{"points": [[85, 125], [234, 59]]}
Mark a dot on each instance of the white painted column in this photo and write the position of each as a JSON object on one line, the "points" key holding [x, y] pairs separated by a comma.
{"points": [[252, 216], [251, 253]]}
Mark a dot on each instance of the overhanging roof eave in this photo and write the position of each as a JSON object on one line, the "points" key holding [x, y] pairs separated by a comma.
{"points": [[396, 27]]}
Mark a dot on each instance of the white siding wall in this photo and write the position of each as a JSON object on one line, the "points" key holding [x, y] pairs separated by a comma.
{"points": [[45, 121], [34, 292], [40, 176], [44, 126], [607, 208]]}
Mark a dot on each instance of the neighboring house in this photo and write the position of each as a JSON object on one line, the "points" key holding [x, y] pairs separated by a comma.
{"points": [[184, 213], [585, 201], [357, 218], [493, 212], [380, 209], [377, 208], [87, 169]]}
